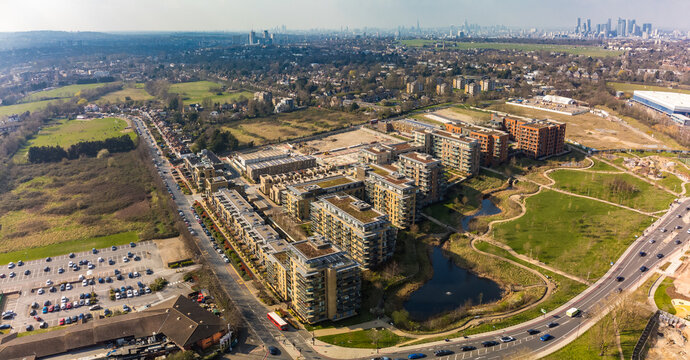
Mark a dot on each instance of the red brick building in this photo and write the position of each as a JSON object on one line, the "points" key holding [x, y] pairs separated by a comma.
{"points": [[536, 138]]}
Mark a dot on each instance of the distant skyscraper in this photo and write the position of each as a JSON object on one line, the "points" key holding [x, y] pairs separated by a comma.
{"points": [[589, 25], [647, 28], [577, 29], [252, 37], [622, 27], [608, 27], [631, 27]]}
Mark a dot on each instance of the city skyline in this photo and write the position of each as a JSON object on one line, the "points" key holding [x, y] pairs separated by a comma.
{"points": [[218, 15]]}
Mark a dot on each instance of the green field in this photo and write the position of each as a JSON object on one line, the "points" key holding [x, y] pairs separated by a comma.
{"points": [[285, 126], [365, 339], [22, 108], [66, 247], [661, 297], [628, 88], [576, 235], [592, 51], [197, 91], [60, 93], [135, 93], [621, 189]]}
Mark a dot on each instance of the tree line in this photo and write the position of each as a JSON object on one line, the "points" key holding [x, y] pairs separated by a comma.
{"points": [[42, 154]]}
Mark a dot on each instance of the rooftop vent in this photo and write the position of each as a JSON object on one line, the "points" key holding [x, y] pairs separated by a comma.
{"points": [[361, 205]]}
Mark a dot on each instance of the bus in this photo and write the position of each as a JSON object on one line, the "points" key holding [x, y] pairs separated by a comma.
{"points": [[277, 321]]}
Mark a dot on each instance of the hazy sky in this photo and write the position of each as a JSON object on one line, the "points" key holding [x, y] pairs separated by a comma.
{"points": [[190, 15]]}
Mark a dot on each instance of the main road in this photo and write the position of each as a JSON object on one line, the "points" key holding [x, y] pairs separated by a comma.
{"points": [[665, 237]]}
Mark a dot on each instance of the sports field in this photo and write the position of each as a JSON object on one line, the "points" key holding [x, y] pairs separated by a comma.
{"points": [[60, 93], [197, 91], [593, 51], [576, 235], [629, 88], [67, 132]]}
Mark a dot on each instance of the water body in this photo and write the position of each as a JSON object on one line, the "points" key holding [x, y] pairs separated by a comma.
{"points": [[448, 289], [488, 208]]}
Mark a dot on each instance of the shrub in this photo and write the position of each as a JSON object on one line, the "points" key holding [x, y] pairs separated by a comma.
{"points": [[158, 284]]}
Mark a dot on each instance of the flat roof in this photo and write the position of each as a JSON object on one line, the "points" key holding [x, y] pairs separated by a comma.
{"points": [[346, 204], [310, 250], [671, 100], [423, 158]]}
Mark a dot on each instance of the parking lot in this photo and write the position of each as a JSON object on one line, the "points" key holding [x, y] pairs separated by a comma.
{"points": [[45, 283]]}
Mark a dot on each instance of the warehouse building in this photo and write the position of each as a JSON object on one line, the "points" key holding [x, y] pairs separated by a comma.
{"points": [[676, 105]]}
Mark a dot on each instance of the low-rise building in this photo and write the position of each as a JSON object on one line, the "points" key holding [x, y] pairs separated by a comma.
{"points": [[202, 166], [243, 160], [279, 166], [353, 225], [275, 186]]}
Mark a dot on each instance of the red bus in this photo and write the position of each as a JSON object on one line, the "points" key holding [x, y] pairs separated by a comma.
{"points": [[277, 321]]}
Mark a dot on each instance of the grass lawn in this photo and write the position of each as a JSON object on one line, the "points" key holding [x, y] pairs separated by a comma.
{"points": [[68, 132], [60, 93], [621, 189], [601, 166], [628, 88], [671, 182], [364, 339], [24, 107], [132, 93], [592, 51], [76, 245], [661, 297], [576, 235], [296, 124], [584, 347], [197, 91]]}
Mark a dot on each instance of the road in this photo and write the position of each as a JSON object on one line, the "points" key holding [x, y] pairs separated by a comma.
{"points": [[253, 311], [627, 267]]}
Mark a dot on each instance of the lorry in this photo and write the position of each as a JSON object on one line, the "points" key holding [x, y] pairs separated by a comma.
{"points": [[572, 312]]}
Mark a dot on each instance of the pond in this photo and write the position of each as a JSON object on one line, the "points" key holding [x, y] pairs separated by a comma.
{"points": [[488, 208], [449, 288]]}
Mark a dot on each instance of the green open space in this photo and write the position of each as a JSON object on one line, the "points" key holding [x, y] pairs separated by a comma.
{"points": [[671, 182], [76, 245], [623, 189], [197, 91], [601, 166], [368, 339], [60, 92], [629, 88], [661, 297], [579, 236], [65, 133], [24, 107], [593, 51], [291, 125], [471, 113], [136, 92]]}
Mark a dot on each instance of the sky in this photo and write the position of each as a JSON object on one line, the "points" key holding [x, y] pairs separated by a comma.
{"points": [[243, 15]]}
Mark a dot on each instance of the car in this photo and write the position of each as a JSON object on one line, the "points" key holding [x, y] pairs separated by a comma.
{"points": [[468, 348], [10, 265], [659, 255], [120, 277], [81, 302], [51, 308], [125, 308], [663, 230], [111, 262], [95, 307], [113, 248], [546, 337], [100, 259], [12, 274], [108, 279], [81, 296], [49, 282], [43, 325], [643, 268], [643, 254], [67, 321], [107, 312], [131, 244], [533, 331], [71, 255], [5, 326], [68, 306], [443, 352], [149, 271], [136, 274], [46, 303], [41, 291], [489, 343], [29, 327], [61, 270], [677, 242], [64, 299], [68, 286], [2, 276], [652, 241], [76, 268], [125, 259], [507, 339], [416, 356], [678, 227], [61, 322], [619, 278], [118, 296], [130, 275], [129, 254], [130, 293], [27, 272], [273, 350], [63, 287], [49, 259], [94, 251], [137, 258], [91, 266], [20, 263], [32, 312], [147, 290], [679, 216], [101, 280], [45, 310], [85, 282], [46, 269], [552, 325], [74, 318]]}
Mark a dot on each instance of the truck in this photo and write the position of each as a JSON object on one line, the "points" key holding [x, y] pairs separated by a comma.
{"points": [[572, 312]]}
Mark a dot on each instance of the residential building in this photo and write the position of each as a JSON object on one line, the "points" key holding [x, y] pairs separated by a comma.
{"points": [[279, 166], [442, 89], [472, 88], [275, 186], [321, 281], [427, 173], [202, 166], [459, 83], [391, 193], [383, 154], [487, 84], [456, 151], [493, 144], [298, 197], [353, 225], [535, 138], [243, 160], [415, 87]]}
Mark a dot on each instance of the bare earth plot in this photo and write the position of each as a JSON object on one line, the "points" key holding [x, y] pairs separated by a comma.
{"points": [[466, 115], [590, 130]]}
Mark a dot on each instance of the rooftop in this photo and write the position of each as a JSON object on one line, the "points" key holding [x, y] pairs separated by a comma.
{"points": [[671, 100], [350, 205], [423, 158], [313, 249]]}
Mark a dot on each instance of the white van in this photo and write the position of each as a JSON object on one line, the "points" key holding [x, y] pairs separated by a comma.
{"points": [[572, 312]]}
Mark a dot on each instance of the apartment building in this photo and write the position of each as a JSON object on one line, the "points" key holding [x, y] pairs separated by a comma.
{"points": [[279, 166], [321, 280], [391, 193], [298, 197], [203, 166], [472, 88], [383, 154], [242, 160], [493, 144], [535, 138], [427, 173], [487, 84], [275, 185], [353, 225], [456, 151]]}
